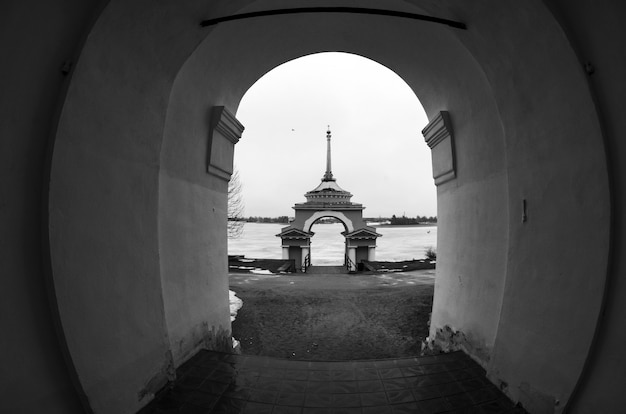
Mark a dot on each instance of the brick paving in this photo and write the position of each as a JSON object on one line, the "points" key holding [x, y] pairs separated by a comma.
{"points": [[214, 382]]}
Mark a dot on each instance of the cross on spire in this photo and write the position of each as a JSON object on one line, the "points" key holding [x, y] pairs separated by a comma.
{"points": [[328, 175]]}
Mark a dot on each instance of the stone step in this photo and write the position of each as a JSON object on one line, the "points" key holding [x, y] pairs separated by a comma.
{"points": [[316, 270]]}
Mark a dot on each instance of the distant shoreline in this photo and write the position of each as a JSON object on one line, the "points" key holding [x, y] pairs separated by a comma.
{"points": [[406, 225], [372, 225]]}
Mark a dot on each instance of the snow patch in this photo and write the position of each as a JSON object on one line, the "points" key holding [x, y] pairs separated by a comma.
{"points": [[235, 304], [259, 271]]}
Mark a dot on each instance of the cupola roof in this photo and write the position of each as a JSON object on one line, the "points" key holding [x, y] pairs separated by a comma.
{"points": [[328, 191]]}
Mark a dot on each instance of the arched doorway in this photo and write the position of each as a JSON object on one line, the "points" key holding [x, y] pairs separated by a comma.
{"points": [[328, 245], [129, 165], [328, 200]]}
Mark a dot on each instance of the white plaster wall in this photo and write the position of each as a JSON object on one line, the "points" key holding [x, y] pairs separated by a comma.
{"points": [[596, 32], [35, 38], [193, 266], [549, 120], [193, 214], [103, 206], [470, 282], [472, 209]]}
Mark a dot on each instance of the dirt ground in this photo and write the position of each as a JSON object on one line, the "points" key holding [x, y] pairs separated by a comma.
{"points": [[333, 317]]}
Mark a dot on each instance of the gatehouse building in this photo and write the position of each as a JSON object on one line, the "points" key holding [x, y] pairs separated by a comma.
{"points": [[329, 200]]}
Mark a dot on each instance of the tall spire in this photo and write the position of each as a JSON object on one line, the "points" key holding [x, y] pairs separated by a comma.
{"points": [[328, 176]]}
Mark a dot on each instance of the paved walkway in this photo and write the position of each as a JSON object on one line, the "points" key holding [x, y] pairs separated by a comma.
{"points": [[213, 382]]}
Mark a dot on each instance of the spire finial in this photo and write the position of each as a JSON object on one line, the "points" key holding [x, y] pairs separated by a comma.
{"points": [[328, 176]]}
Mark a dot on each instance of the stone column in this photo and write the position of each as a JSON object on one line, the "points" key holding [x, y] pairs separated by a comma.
{"points": [[285, 252], [371, 253], [352, 257], [305, 252]]}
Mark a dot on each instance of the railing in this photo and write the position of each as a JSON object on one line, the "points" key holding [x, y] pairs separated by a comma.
{"points": [[307, 263], [350, 265]]}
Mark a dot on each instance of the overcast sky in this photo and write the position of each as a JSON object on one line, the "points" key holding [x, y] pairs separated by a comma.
{"points": [[378, 151]]}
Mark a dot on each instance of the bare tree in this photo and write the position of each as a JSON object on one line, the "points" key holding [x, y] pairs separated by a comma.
{"points": [[235, 207]]}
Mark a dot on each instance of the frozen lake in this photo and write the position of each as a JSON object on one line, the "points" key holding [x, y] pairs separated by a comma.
{"points": [[327, 246]]}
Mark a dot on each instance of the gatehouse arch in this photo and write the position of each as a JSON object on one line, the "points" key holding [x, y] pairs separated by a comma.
{"points": [[329, 200], [347, 223]]}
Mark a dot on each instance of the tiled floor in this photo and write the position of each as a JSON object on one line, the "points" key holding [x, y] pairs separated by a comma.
{"points": [[213, 382]]}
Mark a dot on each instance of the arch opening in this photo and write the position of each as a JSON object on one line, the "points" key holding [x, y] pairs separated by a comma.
{"points": [[185, 193], [345, 91], [328, 245], [128, 168], [375, 119], [284, 112]]}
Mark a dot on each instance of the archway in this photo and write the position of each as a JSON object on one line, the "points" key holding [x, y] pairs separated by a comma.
{"points": [[283, 149], [127, 166], [328, 244], [341, 217], [328, 200], [377, 152]]}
